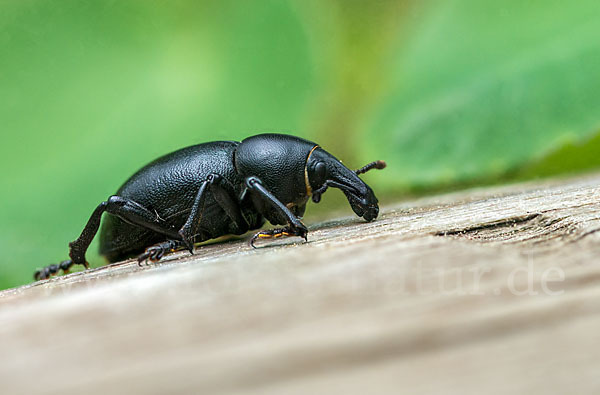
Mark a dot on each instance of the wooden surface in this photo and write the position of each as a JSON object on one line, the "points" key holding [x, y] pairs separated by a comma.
{"points": [[483, 291]]}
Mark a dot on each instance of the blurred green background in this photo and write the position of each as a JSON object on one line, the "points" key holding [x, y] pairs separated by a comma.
{"points": [[449, 93]]}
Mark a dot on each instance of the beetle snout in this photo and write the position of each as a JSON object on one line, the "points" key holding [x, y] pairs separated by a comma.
{"points": [[324, 171], [365, 204]]}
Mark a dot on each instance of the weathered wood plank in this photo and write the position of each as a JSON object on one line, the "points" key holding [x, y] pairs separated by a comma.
{"points": [[489, 290]]}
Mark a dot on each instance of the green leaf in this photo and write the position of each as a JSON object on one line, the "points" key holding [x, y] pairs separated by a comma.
{"points": [[480, 88], [572, 157]]}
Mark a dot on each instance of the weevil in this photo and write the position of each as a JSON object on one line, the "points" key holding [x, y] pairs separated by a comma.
{"points": [[213, 189]]}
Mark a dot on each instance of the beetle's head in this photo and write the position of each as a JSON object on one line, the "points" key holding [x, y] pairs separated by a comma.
{"points": [[293, 169], [324, 170]]}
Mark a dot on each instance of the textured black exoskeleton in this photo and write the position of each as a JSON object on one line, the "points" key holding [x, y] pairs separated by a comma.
{"points": [[214, 189]]}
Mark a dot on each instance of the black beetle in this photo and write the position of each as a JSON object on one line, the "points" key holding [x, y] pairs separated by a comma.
{"points": [[214, 189]]}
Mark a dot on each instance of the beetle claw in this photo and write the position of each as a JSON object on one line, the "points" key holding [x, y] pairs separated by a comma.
{"points": [[253, 239], [189, 247]]}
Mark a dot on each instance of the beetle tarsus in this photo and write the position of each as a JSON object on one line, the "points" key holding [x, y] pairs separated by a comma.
{"points": [[187, 242], [190, 248], [279, 232], [50, 270], [157, 251]]}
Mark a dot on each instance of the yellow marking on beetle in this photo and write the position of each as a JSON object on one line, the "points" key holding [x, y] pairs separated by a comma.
{"points": [[273, 235], [306, 181]]}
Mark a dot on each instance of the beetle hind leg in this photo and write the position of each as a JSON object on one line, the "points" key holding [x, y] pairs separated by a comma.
{"points": [[156, 252]]}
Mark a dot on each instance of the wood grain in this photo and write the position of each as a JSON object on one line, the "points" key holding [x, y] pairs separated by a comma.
{"points": [[484, 291]]}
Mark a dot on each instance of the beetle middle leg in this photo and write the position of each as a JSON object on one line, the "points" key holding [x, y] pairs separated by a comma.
{"points": [[156, 252], [222, 192]]}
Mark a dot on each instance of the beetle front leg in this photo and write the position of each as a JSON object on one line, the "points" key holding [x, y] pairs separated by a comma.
{"points": [[295, 226], [274, 233]]}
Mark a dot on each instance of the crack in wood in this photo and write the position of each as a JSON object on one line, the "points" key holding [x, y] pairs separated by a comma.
{"points": [[506, 222]]}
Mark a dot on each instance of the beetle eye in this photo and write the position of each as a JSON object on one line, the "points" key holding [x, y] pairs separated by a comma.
{"points": [[320, 173]]}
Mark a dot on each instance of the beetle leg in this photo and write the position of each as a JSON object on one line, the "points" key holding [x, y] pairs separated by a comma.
{"points": [[223, 193], [188, 230], [295, 226], [126, 209], [78, 247], [157, 251], [214, 182]]}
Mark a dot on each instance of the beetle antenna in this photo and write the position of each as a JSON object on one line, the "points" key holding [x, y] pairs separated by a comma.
{"points": [[378, 164]]}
